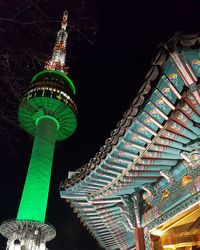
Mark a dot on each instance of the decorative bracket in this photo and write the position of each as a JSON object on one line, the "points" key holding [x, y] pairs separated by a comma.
{"points": [[128, 208], [193, 158], [154, 195], [168, 176]]}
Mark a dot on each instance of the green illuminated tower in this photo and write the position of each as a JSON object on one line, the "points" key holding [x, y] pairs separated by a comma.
{"points": [[48, 113]]}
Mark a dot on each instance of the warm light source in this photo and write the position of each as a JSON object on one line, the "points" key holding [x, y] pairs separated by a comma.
{"points": [[179, 245], [165, 194], [157, 232], [186, 180], [169, 247]]}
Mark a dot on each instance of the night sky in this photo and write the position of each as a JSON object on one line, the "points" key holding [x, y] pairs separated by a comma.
{"points": [[110, 51]]}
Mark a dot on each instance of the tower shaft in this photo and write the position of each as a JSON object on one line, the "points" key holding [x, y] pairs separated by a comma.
{"points": [[35, 194]]}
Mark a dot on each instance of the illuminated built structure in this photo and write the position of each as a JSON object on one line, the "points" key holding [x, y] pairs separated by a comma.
{"points": [[142, 189], [48, 113]]}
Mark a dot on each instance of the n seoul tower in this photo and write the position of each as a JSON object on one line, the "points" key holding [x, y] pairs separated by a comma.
{"points": [[48, 113]]}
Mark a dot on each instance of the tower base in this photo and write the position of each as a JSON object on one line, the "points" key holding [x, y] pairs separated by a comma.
{"points": [[27, 234]]}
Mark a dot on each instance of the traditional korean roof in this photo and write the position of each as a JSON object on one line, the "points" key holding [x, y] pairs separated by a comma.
{"points": [[150, 143]]}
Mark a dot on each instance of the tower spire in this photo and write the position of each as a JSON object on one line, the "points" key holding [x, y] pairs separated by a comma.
{"points": [[57, 61]]}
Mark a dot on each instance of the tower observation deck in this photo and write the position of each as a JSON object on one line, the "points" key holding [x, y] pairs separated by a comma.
{"points": [[48, 113]]}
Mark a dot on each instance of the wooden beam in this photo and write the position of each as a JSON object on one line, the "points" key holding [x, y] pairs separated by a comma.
{"points": [[139, 238]]}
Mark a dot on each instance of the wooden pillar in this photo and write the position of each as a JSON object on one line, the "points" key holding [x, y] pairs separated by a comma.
{"points": [[139, 238]]}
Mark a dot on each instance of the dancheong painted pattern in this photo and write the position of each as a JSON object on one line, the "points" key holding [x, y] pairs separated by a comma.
{"points": [[152, 147]]}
